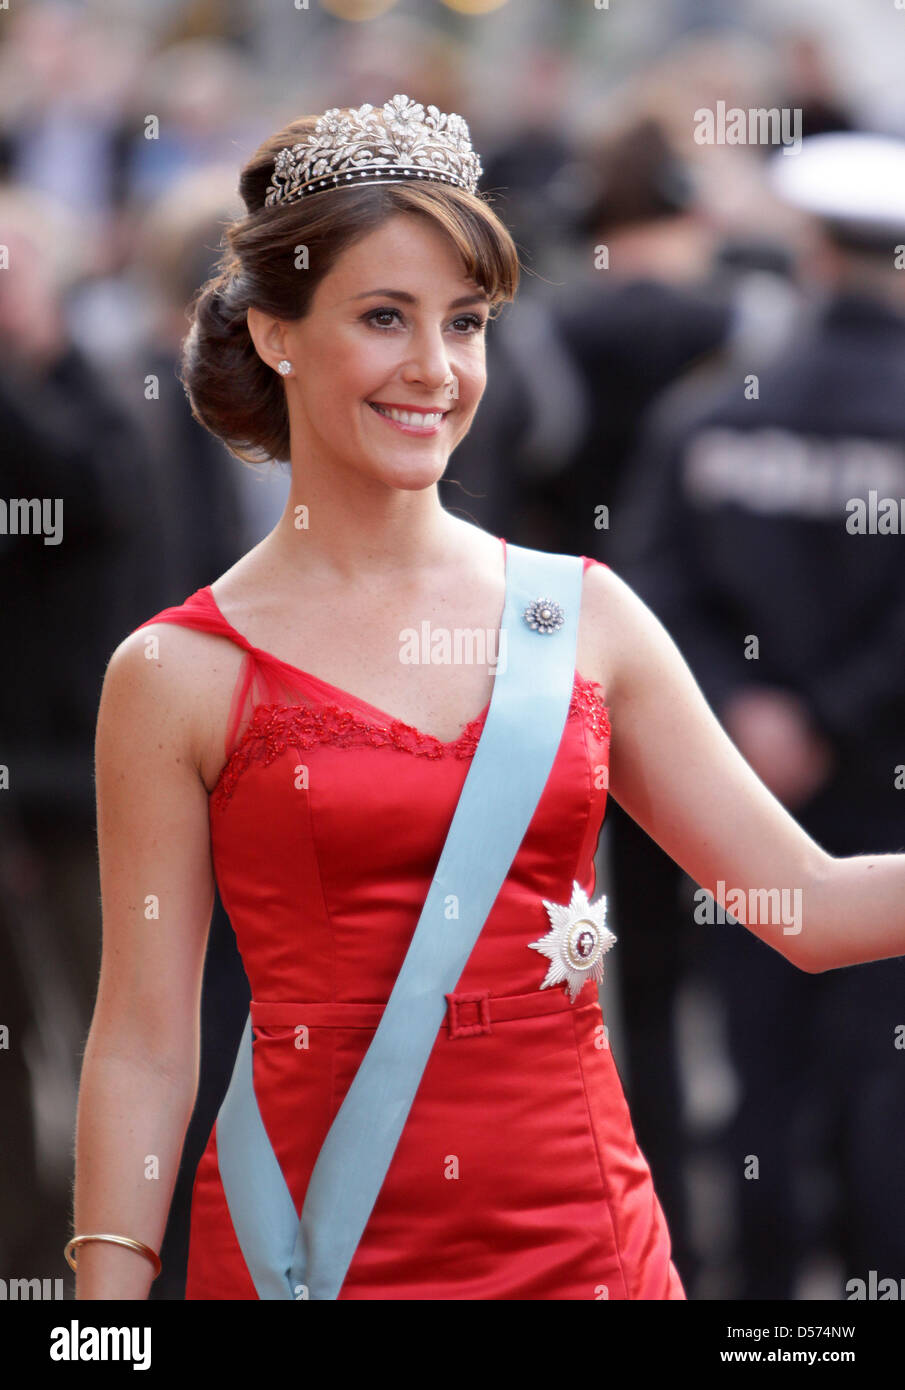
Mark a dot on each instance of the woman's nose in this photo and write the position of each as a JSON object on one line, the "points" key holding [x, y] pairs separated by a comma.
{"points": [[429, 361]]}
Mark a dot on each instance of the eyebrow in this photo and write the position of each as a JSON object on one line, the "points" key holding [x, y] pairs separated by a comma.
{"points": [[480, 298]]}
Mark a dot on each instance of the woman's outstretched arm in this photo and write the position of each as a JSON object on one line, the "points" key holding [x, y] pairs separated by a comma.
{"points": [[675, 771], [140, 1068]]}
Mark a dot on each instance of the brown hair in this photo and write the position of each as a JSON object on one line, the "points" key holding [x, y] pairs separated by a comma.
{"points": [[232, 392]]}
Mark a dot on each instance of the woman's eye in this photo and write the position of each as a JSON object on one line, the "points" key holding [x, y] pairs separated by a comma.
{"points": [[381, 313], [474, 323], [473, 319]]}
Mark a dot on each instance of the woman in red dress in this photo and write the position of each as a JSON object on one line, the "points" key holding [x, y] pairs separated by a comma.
{"points": [[266, 736]]}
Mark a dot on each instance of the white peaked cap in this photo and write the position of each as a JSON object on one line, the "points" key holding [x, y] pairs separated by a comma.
{"points": [[852, 178]]}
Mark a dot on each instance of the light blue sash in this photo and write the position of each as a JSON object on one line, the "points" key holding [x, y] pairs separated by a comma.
{"points": [[289, 1257]]}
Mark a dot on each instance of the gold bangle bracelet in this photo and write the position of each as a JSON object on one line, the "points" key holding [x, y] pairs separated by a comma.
{"points": [[116, 1240]]}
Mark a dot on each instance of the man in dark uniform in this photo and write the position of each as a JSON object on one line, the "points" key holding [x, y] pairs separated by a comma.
{"points": [[768, 538]]}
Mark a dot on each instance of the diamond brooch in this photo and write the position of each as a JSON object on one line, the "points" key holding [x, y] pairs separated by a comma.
{"points": [[544, 615], [576, 943]]}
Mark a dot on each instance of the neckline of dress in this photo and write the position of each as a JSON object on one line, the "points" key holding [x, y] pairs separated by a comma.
{"points": [[385, 716]]}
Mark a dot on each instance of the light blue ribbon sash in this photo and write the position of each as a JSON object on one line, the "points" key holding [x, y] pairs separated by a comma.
{"points": [[289, 1257]]}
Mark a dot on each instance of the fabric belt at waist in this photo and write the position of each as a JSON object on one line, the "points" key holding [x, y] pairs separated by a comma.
{"points": [[466, 1013]]}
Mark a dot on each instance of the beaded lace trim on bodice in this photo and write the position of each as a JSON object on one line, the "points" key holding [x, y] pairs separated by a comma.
{"points": [[276, 727]]}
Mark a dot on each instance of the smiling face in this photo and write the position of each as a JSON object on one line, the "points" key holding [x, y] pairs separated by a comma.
{"points": [[390, 327]]}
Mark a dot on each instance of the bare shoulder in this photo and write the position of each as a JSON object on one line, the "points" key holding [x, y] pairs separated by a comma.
{"points": [[625, 633], [164, 687]]}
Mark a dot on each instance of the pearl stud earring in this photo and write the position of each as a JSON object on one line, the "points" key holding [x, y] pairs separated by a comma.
{"points": [[284, 367]]}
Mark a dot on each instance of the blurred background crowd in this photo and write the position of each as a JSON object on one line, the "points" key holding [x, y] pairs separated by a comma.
{"points": [[700, 372]]}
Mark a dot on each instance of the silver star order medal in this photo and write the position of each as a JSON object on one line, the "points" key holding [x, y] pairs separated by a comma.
{"points": [[577, 943]]}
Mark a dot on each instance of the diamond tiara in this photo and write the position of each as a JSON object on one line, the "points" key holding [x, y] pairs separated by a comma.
{"points": [[395, 145]]}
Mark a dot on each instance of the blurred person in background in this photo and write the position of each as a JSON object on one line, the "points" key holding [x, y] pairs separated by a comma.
{"points": [[741, 534], [204, 99], [200, 501], [811, 83], [76, 462], [641, 311], [65, 78], [536, 408], [677, 249], [531, 157]]}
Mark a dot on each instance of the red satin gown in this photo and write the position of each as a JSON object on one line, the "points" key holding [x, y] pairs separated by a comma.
{"points": [[518, 1175]]}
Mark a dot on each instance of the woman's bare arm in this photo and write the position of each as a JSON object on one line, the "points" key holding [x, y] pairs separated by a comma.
{"points": [[677, 773], [139, 1074]]}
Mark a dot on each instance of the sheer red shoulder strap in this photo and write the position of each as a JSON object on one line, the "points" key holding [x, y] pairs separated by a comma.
{"points": [[197, 611], [254, 684]]}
